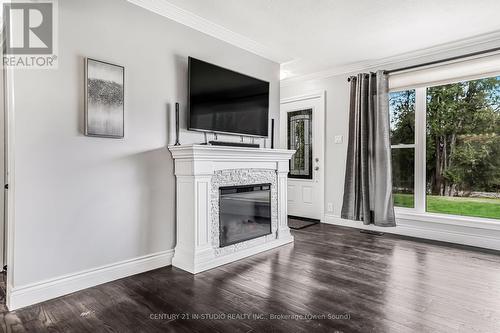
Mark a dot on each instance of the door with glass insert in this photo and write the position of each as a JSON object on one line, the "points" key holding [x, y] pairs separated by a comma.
{"points": [[301, 130]]}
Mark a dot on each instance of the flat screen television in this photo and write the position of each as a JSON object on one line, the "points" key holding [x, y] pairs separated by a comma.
{"points": [[224, 101]]}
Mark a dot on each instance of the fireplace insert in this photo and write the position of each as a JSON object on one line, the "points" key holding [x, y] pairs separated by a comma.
{"points": [[244, 213]]}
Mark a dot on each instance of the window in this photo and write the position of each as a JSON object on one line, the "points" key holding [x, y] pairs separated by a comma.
{"points": [[463, 148], [402, 113], [446, 148]]}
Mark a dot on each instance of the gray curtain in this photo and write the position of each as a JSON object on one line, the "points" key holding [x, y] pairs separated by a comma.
{"points": [[368, 177]]}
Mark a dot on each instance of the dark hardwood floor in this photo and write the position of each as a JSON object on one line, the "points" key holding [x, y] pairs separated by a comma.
{"points": [[370, 283]]}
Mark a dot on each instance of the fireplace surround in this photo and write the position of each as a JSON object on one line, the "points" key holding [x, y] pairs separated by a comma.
{"points": [[204, 172]]}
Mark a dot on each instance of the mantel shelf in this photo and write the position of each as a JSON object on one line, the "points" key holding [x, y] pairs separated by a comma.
{"points": [[218, 153]]}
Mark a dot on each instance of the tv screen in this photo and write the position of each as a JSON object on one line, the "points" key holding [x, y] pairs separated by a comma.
{"points": [[224, 101]]}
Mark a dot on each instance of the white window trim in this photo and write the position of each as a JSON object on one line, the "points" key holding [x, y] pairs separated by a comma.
{"points": [[471, 68], [419, 213], [420, 144], [457, 220], [403, 145]]}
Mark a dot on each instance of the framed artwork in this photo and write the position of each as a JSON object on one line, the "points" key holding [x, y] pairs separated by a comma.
{"points": [[104, 99]]}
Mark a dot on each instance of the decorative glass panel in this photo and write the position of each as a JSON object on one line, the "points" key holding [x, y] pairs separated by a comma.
{"points": [[300, 140]]}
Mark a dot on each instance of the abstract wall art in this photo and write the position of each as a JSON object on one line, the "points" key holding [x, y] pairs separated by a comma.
{"points": [[104, 99]]}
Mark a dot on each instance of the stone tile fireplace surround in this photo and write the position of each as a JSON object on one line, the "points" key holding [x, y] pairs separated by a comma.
{"points": [[200, 171]]}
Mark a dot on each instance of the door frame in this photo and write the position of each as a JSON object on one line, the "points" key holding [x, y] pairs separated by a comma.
{"points": [[8, 107], [321, 95]]}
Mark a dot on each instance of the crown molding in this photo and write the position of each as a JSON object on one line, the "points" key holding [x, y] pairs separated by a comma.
{"points": [[187, 18], [463, 46]]}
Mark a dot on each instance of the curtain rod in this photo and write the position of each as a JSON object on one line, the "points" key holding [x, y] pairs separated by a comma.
{"points": [[435, 62]]}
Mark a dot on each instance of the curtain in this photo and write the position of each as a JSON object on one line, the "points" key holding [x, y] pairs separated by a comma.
{"points": [[368, 177]]}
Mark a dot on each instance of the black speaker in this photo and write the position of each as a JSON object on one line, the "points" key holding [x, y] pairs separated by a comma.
{"points": [[272, 133], [177, 124]]}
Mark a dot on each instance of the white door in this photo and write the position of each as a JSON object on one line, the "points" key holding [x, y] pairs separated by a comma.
{"points": [[302, 129]]}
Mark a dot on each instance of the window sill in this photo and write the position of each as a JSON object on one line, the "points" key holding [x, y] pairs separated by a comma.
{"points": [[457, 220]]}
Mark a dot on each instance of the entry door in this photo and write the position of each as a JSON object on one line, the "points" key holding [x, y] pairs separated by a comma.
{"points": [[302, 129]]}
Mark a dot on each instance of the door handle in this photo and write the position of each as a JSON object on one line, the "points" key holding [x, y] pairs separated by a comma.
{"points": [[316, 168]]}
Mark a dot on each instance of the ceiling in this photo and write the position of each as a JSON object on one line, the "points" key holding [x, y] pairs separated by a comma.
{"points": [[315, 35]]}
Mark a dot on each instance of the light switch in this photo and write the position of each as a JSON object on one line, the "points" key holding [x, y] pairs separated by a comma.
{"points": [[339, 139]]}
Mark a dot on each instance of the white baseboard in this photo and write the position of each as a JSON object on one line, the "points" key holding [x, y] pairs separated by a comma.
{"points": [[41, 291], [459, 234]]}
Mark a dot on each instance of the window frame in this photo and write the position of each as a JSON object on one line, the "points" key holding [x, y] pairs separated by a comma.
{"points": [[418, 212]]}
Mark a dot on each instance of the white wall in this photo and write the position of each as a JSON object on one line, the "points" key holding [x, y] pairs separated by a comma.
{"points": [[337, 123], [84, 202]]}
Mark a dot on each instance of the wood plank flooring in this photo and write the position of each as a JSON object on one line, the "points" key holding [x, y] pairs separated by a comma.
{"points": [[332, 279]]}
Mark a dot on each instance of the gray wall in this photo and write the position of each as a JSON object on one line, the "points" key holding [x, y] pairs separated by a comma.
{"points": [[83, 202]]}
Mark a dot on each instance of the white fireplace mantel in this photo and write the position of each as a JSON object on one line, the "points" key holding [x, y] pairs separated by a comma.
{"points": [[199, 169]]}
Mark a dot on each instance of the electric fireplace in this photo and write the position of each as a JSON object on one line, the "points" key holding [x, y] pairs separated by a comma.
{"points": [[215, 220], [244, 213]]}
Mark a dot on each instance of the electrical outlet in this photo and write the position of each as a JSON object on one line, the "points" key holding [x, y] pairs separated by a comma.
{"points": [[330, 207], [339, 139]]}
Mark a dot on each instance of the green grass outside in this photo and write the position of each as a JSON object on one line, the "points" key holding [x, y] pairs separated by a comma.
{"points": [[479, 207]]}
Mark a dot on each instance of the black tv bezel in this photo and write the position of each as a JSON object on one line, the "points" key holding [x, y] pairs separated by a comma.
{"points": [[222, 132]]}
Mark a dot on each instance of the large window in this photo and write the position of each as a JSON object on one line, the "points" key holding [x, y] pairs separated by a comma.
{"points": [[446, 148], [463, 148]]}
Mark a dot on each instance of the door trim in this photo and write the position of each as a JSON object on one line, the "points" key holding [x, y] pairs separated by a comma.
{"points": [[8, 109], [321, 95]]}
